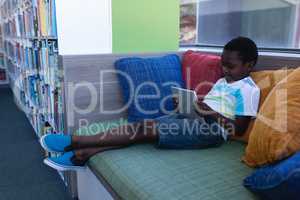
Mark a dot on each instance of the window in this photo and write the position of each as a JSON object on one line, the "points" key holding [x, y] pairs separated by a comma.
{"points": [[270, 23]]}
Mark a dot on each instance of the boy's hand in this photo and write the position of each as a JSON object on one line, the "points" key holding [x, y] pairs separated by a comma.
{"points": [[175, 102], [202, 108]]}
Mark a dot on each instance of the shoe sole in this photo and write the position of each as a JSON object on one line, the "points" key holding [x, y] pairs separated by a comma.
{"points": [[43, 144], [59, 167]]}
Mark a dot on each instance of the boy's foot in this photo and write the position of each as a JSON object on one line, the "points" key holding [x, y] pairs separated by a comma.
{"points": [[64, 162], [56, 142]]}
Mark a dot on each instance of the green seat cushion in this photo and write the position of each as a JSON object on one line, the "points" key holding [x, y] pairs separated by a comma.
{"points": [[145, 172]]}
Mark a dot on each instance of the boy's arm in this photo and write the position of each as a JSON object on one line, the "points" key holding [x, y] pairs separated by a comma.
{"points": [[241, 124], [237, 126]]}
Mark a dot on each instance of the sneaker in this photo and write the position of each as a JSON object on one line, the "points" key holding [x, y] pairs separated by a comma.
{"points": [[55, 142], [63, 163]]}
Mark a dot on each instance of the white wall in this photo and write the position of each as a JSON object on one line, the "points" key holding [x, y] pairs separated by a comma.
{"points": [[84, 26]]}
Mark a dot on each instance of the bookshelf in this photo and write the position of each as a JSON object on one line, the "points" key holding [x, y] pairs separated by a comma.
{"points": [[31, 55], [37, 32]]}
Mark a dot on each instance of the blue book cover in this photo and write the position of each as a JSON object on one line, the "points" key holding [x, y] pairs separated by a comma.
{"points": [[53, 18]]}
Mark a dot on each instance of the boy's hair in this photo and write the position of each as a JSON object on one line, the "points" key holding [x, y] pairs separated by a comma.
{"points": [[246, 47]]}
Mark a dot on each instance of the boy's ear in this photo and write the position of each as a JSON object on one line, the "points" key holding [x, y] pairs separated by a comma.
{"points": [[250, 65]]}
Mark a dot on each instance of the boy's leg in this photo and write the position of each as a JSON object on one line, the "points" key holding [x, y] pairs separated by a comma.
{"points": [[81, 156], [170, 132], [142, 132]]}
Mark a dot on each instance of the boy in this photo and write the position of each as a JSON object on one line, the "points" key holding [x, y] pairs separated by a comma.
{"points": [[225, 110]]}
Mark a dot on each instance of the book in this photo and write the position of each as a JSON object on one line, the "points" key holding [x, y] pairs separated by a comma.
{"points": [[2, 75]]}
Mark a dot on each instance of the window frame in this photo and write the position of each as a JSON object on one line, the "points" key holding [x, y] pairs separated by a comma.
{"points": [[260, 49], [287, 51]]}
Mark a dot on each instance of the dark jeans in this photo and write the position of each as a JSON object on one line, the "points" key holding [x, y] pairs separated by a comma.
{"points": [[179, 132]]}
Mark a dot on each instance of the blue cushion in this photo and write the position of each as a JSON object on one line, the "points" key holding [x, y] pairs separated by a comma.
{"points": [[149, 76], [277, 181]]}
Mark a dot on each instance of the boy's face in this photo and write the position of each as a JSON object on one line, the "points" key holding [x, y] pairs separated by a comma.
{"points": [[233, 67]]}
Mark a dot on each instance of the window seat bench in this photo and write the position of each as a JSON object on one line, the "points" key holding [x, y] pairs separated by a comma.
{"points": [[145, 172]]}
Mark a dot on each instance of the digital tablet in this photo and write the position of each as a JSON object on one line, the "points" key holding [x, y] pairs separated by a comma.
{"points": [[186, 101]]}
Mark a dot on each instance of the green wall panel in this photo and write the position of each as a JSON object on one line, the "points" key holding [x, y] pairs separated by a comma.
{"points": [[145, 25]]}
